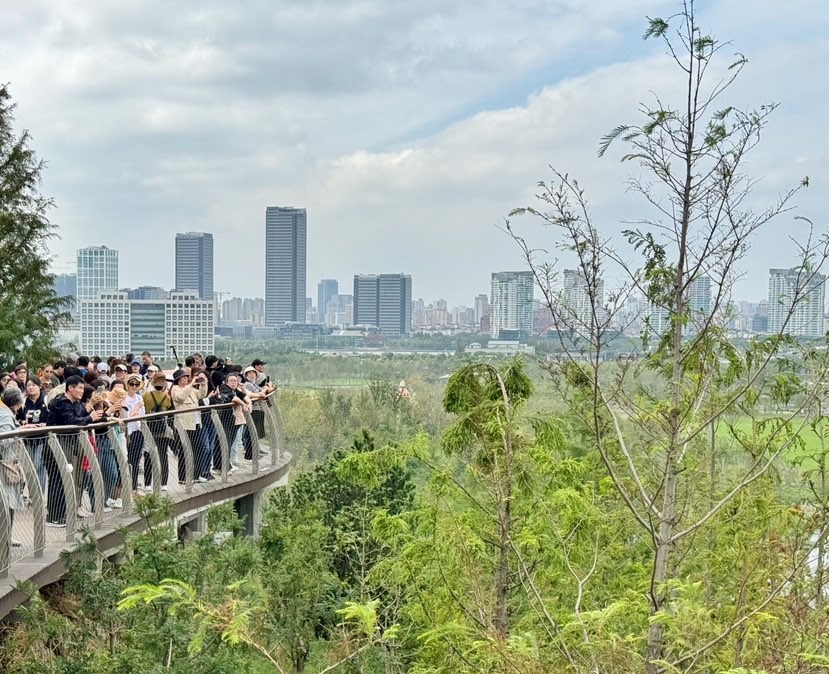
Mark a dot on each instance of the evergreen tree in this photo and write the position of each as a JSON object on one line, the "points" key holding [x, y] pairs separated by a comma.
{"points": [[30, 313]]}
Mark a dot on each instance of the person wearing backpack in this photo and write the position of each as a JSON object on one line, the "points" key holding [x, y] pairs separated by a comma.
{"points": [[156, 401]]}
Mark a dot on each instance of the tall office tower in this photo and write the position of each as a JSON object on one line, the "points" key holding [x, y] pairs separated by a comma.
{"points": [[97, 271], [194, 263], [577, 303], [796, 302], [285, 254], [384, 300], [66, 285], [699, 304], [366, 289], [481, 307], [512, 303], [327, 289]]}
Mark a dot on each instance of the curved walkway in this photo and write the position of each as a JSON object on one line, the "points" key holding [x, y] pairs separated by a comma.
{"points": [[30, 551]]}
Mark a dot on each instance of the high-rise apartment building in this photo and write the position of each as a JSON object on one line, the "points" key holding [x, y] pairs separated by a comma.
{"points": [[327, 289], [113, 324], [699, 304], [285, 256], [797, 299], [511, 306], [194, 263], [97, 271], [385, 301], [577, 302]]}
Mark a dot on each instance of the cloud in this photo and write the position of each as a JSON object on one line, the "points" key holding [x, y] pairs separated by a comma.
{"points": [[408, 130]]}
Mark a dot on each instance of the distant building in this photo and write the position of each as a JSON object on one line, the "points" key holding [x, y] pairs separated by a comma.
{"points": [[194, 263], [481, 307], [512, 303], [327, 289], [285, 258], [659, 320], [579, 299], [796, 302], [97, 271], [501, 347], [384, 300], [699, 304], [112, 324], [145, 293], [66, 285]]}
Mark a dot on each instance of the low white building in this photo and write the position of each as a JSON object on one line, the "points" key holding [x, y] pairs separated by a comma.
{"points": [[111, 324]]}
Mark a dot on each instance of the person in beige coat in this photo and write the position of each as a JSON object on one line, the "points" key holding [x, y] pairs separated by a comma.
{"points": [[187, 396]]}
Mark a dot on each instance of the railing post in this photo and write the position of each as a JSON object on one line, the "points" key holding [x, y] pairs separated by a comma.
{"points": [[97, 478], [273, 435], [222, 433], [152, 449], [187, 455], [254, 442], [5, 536], [35, 496], [70, 497], [118, 441]]}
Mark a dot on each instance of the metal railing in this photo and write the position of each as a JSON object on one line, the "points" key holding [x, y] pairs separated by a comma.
{"points": [[55, 481]]}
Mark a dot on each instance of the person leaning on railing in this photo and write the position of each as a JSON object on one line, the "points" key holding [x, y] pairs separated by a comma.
{"points": [[103, 444], [187, 396], [255, 394], [66, 410], [34, 414], [135, 436], [156, 400], [11, 473]]}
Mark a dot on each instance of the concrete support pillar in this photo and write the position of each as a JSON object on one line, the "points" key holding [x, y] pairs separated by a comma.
{"points": [[249, 509], [194, 528]]}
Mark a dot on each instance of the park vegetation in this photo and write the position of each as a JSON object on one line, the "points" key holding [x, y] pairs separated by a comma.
{"points": [[579, 514]]}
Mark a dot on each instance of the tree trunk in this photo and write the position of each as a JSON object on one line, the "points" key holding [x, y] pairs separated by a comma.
{"points": [[500, 620], [660, 568]]}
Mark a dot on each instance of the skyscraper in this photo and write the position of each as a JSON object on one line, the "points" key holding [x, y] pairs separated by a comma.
{"points": [[699, 304], [326, 291], [481, 307], [285, 254], [578, 304], [384, 300], [97, 271], [511, 306], [796, 302], [194, 263]]}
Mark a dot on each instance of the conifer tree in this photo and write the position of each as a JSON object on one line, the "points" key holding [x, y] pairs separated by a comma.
{"points": [[30, 313]]}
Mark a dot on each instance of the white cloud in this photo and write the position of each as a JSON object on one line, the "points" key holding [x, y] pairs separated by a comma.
{"points": [[407, 129]]}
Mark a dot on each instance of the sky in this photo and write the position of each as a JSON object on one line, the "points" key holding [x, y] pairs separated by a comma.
{"points": [[408, 130]]}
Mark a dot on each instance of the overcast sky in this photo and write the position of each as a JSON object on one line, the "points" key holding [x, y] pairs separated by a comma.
{"points": [[407, 128]]}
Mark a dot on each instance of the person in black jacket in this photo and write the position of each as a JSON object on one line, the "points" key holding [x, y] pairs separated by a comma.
{"points": [[34, 414], [66, 410]]}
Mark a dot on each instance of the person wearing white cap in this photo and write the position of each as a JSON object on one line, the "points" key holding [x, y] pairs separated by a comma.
{"points": [[103, 372], [256, 393]]}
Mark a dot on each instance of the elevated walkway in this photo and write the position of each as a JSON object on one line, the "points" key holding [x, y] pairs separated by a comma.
{"points": [[31, 551]]}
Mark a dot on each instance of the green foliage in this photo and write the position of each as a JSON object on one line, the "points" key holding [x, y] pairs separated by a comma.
{"points": [[30, 313]]}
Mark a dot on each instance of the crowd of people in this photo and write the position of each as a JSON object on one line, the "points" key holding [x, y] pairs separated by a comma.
{"points": [[110, 397]]}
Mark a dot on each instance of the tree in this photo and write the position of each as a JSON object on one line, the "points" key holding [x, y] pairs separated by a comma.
{"points": [[30, 313], [653, 438]]}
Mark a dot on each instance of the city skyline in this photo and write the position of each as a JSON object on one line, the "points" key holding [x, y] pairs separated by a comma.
{"points": [[422, 157]]}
